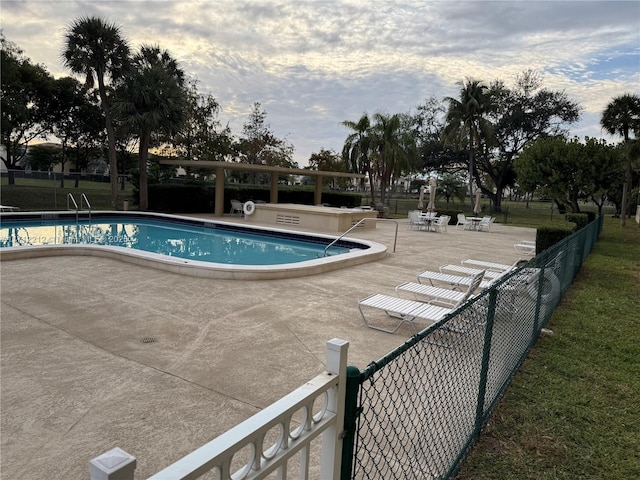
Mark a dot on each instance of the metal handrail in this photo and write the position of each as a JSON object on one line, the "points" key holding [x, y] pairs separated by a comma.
{"points": [[86, 200], [357, 224], [70, 196], [75, 204]]}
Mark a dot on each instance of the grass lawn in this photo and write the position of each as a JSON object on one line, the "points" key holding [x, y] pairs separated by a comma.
{"points": [[33, 194], [573, 409]]}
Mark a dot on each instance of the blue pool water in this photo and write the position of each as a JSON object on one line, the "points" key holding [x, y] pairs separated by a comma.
{"points": [[192, 240]]}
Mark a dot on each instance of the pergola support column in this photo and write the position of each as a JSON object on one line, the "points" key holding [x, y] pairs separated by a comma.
{"points": [[219, 200], [274, 187], [317, 198]]}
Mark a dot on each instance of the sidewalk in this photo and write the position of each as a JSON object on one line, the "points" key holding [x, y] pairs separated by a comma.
{"points": [[98, 353]]}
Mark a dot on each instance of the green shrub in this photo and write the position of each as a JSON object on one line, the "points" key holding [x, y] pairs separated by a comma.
{"points": [[580, 219], [549, 236], [452, 213], [200, 198]]}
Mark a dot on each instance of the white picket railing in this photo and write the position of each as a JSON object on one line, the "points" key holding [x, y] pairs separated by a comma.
{"points": [[292, 417]]}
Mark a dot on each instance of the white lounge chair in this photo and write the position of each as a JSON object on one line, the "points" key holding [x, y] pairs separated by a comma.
{"points": [[236, 208], [7, 208], [447, 296], [407, 311], [468, 271], [457, 282], [493, 266], [526, 247]]}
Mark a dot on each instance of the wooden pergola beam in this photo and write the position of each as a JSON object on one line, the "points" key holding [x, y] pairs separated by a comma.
{"points": [[220, 167]]}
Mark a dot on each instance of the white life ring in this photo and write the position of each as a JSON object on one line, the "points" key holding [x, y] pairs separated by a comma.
{"points": [[249, 207]]}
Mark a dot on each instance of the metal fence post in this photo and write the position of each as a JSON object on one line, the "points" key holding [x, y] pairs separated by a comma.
{"points": [[486, 352], [537, 325], [116, 464], [331, 456], [350, 417]]}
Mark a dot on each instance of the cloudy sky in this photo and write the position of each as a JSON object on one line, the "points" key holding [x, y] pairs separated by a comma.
{"points": [[314, 64]]}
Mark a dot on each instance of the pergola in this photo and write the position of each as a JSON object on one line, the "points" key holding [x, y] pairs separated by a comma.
{"points": [[220, 167]]}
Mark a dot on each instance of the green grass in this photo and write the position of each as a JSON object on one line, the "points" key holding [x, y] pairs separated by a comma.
{"points": [[572, 410], [534, 214], [33, 194]]}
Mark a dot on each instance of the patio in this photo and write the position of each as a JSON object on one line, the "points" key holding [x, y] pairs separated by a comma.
{"points": [[98, 353]]}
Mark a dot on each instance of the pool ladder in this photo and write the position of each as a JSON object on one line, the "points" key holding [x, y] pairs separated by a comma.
{"points": [[83, 199]]}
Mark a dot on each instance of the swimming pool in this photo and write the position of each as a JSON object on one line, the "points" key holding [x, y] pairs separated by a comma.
{"points": [[180, 244]]}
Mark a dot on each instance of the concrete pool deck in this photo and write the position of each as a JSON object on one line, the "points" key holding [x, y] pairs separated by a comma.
{"points": [[98, 353]]}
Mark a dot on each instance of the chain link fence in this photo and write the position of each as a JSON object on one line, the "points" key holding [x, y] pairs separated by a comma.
{"points": [[415, 413]]}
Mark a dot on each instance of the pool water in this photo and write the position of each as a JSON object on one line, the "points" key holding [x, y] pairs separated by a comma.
{"points": [[198, 241]]}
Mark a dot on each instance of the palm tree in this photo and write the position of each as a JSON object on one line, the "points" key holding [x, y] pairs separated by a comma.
{"points": [[152, 99], [466, 126], [94, 48], [621, 116], [394, 147], [357, 149]]}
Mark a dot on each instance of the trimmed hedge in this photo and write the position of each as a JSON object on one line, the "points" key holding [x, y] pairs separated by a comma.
{"points": [[199, 198], [580, 219], [549, 236]]}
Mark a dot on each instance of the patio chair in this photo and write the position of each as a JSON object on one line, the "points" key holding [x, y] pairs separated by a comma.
{"points": [[525, 247], [440, 225], [485, 223], [447, 296], [236, 207], [407, 311], [416, 220], [462, 220]]}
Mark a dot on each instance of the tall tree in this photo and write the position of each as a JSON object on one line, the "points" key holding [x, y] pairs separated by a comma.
{"points": [[68, 100], [357, 149], [152, 99], [621, 117], [568, 171], [329, 161], [394, 148], [25, 104], [201, 137], [259, 145], [520, 115], [466, 124], [95, 49]]}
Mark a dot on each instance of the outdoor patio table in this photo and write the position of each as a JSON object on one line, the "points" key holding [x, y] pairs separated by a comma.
{"points": [[475, 221], [428, 219]]}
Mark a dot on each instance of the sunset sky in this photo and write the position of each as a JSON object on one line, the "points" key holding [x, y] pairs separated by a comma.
{"points": [[314, 64]]}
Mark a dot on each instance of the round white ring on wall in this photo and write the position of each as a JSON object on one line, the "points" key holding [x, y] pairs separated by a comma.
{"points": [[249, 207]]}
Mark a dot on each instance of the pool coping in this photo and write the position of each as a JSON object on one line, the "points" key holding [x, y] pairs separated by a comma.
{"points": [[188, 267]]}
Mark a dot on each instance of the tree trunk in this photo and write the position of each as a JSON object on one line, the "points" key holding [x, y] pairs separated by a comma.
{"points": [[372, 186], [111, 136], [62, 162], [471, 171], [625, 195], [143, 154]]}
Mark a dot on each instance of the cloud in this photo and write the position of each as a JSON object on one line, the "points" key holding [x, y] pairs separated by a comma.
{"points": [[313, 64]]}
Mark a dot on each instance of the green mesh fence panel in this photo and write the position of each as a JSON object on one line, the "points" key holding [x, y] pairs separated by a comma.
{"points": [[421, 407]]}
